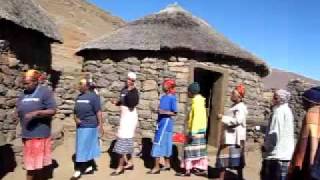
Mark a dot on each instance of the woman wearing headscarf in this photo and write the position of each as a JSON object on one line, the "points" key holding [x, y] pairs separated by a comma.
{"points": [[88, 119], [307, 145], [129, 99], [35, 108], [162, 143], [279, 139], [231, 150], [195, 150]]}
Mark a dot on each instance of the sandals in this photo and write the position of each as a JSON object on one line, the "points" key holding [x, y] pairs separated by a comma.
{"points": [[183, 174], [131, 167], [165, 169], [115, 173], [154, 172]]}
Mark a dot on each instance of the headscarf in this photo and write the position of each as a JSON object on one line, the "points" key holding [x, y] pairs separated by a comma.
{"points": [[32, 73], [312, 95], [88, 82], [283, 95], [170, 85], [132, 76], [194, 88], [240, 89]]}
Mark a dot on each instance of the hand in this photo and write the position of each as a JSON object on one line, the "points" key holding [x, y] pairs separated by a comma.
{"points": [[101, 130], [114, 101], [220, 116], [29, 116], [78, 122]]}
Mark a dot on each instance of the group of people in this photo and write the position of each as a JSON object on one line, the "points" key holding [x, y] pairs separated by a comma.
{"points": [[281, 160]]}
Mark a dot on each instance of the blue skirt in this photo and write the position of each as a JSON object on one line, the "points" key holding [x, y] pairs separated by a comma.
{"points": [[87, 144]]}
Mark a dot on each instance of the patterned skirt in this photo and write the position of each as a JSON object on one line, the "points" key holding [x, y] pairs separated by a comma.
{"points": [[195, 153], [36, 153], [230, 156], [124, 146]]}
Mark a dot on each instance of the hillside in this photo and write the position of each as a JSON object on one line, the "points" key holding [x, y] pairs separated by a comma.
{"points": [[279, 79], [78, 22]]}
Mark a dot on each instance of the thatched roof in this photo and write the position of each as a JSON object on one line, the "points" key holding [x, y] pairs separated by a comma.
{"points": [[29, 15], [172, 28]]}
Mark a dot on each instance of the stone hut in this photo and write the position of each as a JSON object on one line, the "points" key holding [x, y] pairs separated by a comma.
{"points": [[26, 35], [173, 44]]}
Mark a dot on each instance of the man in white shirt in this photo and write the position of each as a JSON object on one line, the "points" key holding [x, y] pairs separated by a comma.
{"points": [[279, 139]]}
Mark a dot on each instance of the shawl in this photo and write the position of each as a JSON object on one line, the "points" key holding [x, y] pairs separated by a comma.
{"points": [[197, 116]]}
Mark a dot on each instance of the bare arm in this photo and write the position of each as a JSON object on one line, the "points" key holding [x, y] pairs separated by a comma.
{"points": [[40, 114], [100, 122]]}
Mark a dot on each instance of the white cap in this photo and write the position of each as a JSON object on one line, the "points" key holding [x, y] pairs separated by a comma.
{"points": [[132, 75]]}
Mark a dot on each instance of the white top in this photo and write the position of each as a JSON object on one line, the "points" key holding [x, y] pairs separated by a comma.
{"points": [[234, 121], [279, 139]]}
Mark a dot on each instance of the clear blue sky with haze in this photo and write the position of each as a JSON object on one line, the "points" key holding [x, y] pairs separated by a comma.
{"points": [[285, 33]]}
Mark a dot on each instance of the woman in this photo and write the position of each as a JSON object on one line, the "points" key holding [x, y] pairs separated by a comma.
{"points": [[35, 108], [129, 99], [279, 139], [88, 117], [162, 143], [195, 151], [307, 145], [231, 150]]}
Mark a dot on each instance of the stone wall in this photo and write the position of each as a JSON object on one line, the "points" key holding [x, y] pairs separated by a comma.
{"points": [[111, 75], [21, 49], [297, 88]]}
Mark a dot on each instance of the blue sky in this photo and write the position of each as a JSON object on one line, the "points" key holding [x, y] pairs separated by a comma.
{"points": [[286, 33]]}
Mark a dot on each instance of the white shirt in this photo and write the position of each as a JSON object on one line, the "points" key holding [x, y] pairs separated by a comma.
{"points": [[234, 121], [279, 139]]}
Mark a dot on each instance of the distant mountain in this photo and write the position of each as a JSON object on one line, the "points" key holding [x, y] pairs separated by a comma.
{"points": [[280, 78], [78, 22]]}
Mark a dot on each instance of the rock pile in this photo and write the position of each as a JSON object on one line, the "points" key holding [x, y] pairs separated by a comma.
{"points": [[297, 88]]}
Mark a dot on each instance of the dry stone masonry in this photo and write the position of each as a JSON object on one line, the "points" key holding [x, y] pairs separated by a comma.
{"points": [[110, 76]]}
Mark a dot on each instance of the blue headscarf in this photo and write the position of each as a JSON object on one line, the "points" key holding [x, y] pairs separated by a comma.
{"points": [[194, 88], [312, 95]]}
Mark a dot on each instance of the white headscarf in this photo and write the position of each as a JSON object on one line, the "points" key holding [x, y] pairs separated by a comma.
{"points": [[283, 95], [132, 75]]}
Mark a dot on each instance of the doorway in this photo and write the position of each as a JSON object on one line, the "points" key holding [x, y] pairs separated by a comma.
{"points": [[212, 84]]}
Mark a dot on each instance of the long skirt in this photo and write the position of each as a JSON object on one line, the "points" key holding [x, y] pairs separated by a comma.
{"points": [[274, 169], [162, 143], [230, 156], [87, 144], [36, 153], [195, 153]]}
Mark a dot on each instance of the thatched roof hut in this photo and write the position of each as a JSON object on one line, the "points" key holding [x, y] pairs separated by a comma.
{"points": [[26, 35], [172, 29], [174, 44], [29, 15]]}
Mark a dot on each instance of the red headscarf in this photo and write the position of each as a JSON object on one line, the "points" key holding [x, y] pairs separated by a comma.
{"points": [[170, 85], [240, 89]]}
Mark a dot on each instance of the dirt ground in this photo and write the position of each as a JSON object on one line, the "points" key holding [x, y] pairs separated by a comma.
{"points": [[64, 167]]}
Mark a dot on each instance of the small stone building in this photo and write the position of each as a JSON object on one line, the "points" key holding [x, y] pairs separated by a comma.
{"points": [[173, 44], [26, 35]]}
